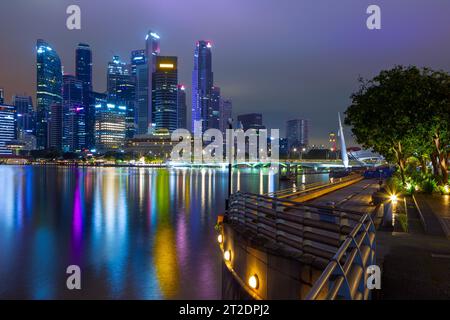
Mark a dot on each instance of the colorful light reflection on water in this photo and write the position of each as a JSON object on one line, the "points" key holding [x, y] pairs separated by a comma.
{"points": [[136, 233]]}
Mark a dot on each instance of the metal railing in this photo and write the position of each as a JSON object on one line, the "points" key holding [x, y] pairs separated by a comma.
{"points": [[342, 240]]}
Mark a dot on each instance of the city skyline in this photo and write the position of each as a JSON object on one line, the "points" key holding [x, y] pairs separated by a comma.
{"points": [[339, 33]]}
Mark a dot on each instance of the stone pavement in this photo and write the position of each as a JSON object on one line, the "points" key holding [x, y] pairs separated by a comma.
{"points": [[436, 212]]}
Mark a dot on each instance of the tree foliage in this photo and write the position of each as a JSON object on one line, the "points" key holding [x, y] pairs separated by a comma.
{"points": [[404, 112]]}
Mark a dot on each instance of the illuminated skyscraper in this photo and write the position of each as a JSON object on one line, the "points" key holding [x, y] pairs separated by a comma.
{"points": [[182, 107], [73, 115], [109, 126], [165, 93], [152, 50], [49, 88], [25, 115], [55, 127], [139, 69], [7, 127], [122, 90], [2, 96], [202, 84], [84, 73]]}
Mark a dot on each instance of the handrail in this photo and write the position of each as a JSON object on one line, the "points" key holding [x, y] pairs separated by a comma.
{"points": [[336, 277], [343, 239]]}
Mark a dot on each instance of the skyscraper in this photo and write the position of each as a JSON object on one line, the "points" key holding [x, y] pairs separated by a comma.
{"points": [[165, 93], [83, 66], [202, 84], [49, 88], [73, 115], [25, 115], [55, 127], [182, 107], [214, 115], [251, 121], [109, 126], [226, 109], [152, 50], [297, 133], [7, 127], [139, 69], [122, 90], [2, 96]]}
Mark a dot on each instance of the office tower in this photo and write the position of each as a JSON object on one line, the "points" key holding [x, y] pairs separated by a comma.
{"points": [[73, 115], [165, 93], [2, 96], [139, 68], [7, 127], [226, 109], [152, 51], [110, 124], [83, 66], [25, 115], [251, 121], [122, 90], [182, 107], [214, 115], [49, 88], [202, 84], [297, 133], [55, 127]]}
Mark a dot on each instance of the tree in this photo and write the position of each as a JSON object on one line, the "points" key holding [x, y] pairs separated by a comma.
{"points": [[404, 112]]}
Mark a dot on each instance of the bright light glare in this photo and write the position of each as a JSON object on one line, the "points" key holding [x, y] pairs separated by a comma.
{"points": [[253, 282], [220, 238], [227, 255], [393, 198]]}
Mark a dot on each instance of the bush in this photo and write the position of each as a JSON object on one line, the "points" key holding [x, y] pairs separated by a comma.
{"points": [[428, 185]]}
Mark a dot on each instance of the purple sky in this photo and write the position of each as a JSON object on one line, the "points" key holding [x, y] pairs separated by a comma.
{"points": [[284, 58]]}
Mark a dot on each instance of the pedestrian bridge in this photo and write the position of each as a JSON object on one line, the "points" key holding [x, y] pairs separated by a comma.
{"points": [[276, 247]]}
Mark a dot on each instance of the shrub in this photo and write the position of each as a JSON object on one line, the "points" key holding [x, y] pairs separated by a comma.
{"points": [[428, 185]]}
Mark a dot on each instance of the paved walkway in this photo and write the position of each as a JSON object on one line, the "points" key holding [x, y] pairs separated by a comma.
{"points": [[436, 213], [356, 197]]}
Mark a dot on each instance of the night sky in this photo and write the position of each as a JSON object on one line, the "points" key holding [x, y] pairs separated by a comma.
{"points": [[283, 58]]}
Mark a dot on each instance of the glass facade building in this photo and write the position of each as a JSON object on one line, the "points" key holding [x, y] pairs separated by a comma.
{"points": [[182, 107], [139, 69], [165, 93], [49, 89], [297, 133], [83, 66], [74, 128], [7, 127], [202, 84], [110, 127]]}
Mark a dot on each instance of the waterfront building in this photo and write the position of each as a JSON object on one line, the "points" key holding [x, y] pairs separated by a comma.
{"points": [[152, 50], [202, 84], [25, 115], [157, 145], [7, 128], [122, 90], [182, 107], [73, 115], [139, 68], [297, 133], [165, 93], [83, 67], [110, 124], [49, 88], [55, 127]]}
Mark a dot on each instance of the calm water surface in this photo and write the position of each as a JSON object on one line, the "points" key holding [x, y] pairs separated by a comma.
{"points": [[136, 233]]}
